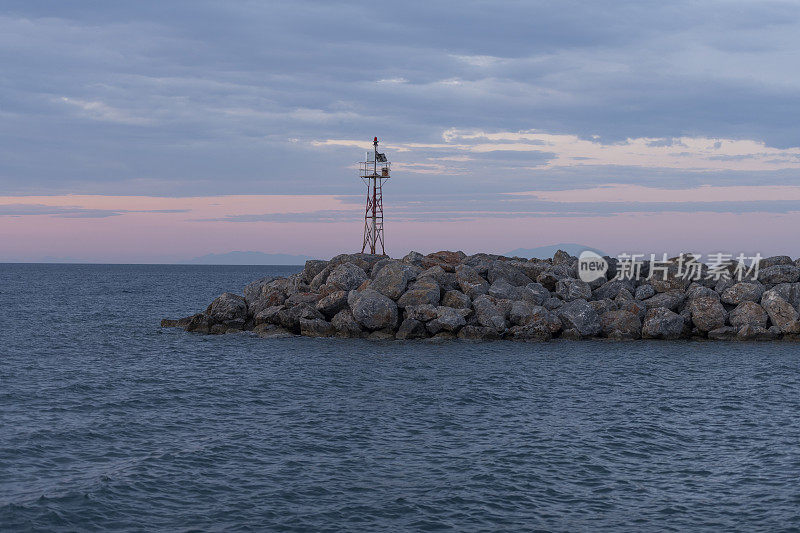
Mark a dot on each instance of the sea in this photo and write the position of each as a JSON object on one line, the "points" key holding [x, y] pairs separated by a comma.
{"points": [[110, 423]]}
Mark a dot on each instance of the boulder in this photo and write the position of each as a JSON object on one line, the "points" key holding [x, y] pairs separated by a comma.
{"points": [[268, 297], [470, 282], [670, 300], [346, 325], [789, 292], [696, 290], [604, 306], [748, 332], [611, 289], [391, 280], [290, 318], [530, 333], [707, 313], [411, 329], [621, 325], [552, 303], [199, 323], [749, 313], [253, 290], [422, 313], [316, 327], [661, 323], [447, 319], [504, 270], [775, 260], [332, 304], [742, 292], [488, 314], [550, 277], [268, 315], [312, 268], [302, 298], [445, 259], [271, 331], [781, 313], [563, 258], [536, 293], [375, 311], [636, 307], [227, 308], [779, 274], [569, 289], [456, 300], [345, 277], [580, 316], [643, 292], [421, 292], [413, 258], [724, 333], [478, 333]]}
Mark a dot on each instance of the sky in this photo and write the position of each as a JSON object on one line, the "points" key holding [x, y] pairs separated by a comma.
{"points": [[157, 131]]}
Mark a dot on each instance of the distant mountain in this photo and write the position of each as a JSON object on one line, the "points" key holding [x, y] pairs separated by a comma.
{"points": [[247, 258], [543, 252]]}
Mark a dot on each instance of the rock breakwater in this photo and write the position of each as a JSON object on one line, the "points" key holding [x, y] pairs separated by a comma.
{"points": [[447, 295]]}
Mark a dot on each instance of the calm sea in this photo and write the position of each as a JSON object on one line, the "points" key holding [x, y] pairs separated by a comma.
{"points": [[108, 422]]}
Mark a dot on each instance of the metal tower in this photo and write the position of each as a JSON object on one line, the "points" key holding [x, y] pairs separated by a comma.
{"points": [[374, 177]]}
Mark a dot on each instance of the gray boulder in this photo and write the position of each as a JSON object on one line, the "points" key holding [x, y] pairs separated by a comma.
{"points": [[749, 332], [447, 319], [316, 327], [312, 268], [749, 313], [478, 333], [707, 313], [421, 313], [470, 282], [621, 325], [643, 292], [779, 274], [636, 307], [411, 329], [332, 304], [375, 311], [612, 288], [505, 270], [569, 289], [580, 316], [346, 325], [775, 260], [604, 306], [391, 280], [661, 323], [228, 308], [781, 313], [345, 277], [742, 292], [488, 314], [533, 332], [670, 300], [421, 292], [724, 333], [456, 300]]}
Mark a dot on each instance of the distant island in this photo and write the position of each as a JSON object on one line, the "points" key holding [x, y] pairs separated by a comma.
{"points": [[247, 258], [448, 295]]}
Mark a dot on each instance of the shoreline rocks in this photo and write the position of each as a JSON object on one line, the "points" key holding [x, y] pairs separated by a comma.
{"points": [[449, 295]]}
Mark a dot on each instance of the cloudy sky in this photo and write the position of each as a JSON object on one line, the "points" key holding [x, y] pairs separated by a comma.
{"points": [[154, 131]]}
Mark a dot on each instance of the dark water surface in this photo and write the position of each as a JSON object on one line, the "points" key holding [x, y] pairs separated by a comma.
{"points": [[108, 422]]}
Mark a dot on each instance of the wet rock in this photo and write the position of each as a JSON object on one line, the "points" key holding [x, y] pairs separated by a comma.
{"points": [[569, 289], [316, 327], [332, 304], [456, 300], [478, 333], [411, 329], [661, 323], [724, 333], [749, 332], [621, 325], [268, 315], [169, 323], [779, 274], [346, 325], [200, 323], [707, 313], [228, 307], [381, 335], [580, 316], [271, 331], [375, 311], [530, 333], [748, 313], [781, 313]]}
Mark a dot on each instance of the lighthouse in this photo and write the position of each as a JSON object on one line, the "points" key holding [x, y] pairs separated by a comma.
{"points": [[374, 171]]}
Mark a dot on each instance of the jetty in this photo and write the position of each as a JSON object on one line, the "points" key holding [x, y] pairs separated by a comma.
{"points": [[451, 295]]}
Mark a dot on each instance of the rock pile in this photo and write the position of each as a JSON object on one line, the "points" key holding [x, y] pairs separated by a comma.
{"points": [[483, 296]]}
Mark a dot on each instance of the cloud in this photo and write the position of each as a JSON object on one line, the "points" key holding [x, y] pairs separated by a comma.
{"points": [[69, 211]]}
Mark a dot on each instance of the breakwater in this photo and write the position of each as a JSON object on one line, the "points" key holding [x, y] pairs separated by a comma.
{"points": [[448, 295]]}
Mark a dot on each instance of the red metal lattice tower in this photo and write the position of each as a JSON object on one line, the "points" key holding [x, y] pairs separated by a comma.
{"points": [[374, 177]]}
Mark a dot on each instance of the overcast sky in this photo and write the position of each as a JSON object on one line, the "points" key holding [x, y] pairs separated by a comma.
{"points": [[485, 109]]}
